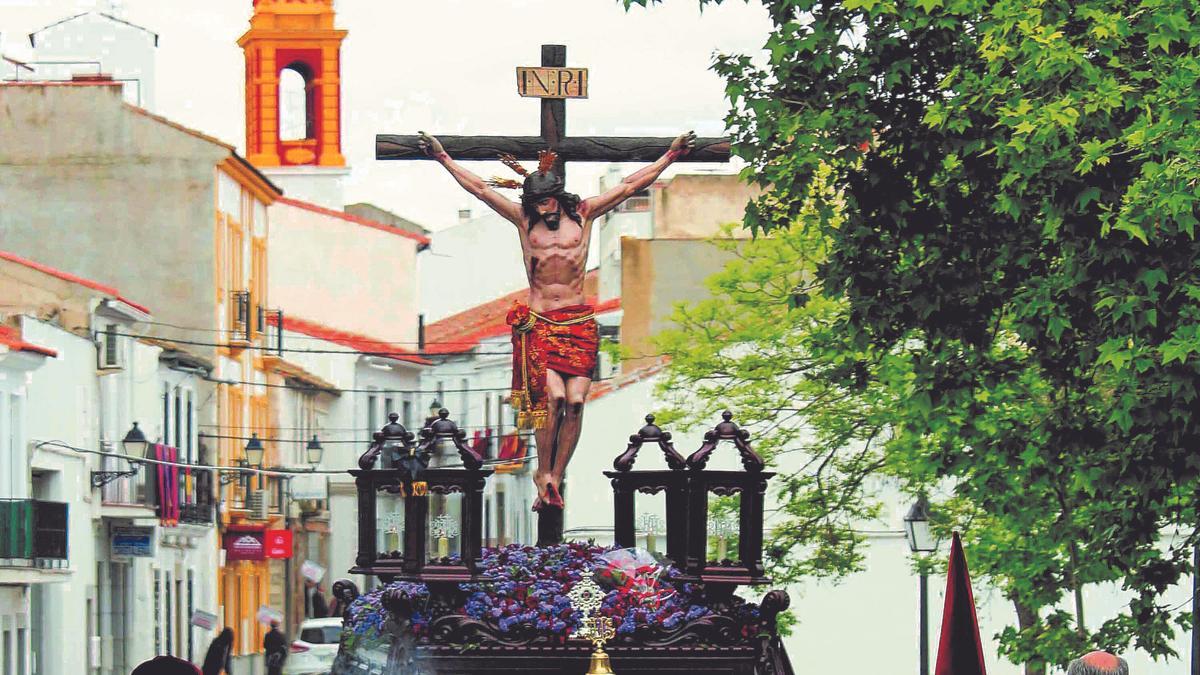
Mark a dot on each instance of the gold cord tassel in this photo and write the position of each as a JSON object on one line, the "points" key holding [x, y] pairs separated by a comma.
{"points": [[546, 160]]}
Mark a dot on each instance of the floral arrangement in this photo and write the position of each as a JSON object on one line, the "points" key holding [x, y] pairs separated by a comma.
{"points": [[530, 593]]}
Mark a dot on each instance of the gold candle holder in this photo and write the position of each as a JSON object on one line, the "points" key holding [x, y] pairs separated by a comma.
{"points": [[599, 629]]}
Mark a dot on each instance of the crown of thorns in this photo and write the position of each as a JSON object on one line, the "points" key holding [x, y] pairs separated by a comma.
{"points": [[546, 160]]}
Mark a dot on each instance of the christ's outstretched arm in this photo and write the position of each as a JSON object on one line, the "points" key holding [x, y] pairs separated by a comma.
{"points": [[594, 207], [470, 182]]}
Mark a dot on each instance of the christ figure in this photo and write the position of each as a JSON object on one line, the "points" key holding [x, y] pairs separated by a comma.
{"points": [[555, 336]]}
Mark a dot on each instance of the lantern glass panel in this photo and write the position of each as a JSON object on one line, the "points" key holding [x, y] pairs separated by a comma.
{"points": [[723, 519], [389, 524], [650, 521], [444, 536]]}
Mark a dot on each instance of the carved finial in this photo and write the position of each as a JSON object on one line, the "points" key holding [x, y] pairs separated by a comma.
{"points": [[650, 418], [443, 413], [727, 416]]}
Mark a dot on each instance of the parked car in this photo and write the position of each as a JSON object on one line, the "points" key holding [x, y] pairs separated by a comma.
{"points": [[313, 651]]}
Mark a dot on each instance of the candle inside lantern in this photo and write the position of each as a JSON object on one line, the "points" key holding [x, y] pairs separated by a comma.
{"points": [[443, 547], [720, 548], [392, 542], [650, 542]]}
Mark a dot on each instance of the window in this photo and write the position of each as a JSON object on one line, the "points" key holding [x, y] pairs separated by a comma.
{"points": [[110, 355], [372, 421], [178, 435], [388, 408], [296, 103], [465, 397], [321, 635], [408, 412], [191, 424]]}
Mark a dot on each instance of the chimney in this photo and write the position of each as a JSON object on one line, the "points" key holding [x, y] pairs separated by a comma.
{"points": [[464, 215]]}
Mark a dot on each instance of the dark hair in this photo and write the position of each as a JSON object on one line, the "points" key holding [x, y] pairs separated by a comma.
{"points": [[1086, 665], [568, 202]]}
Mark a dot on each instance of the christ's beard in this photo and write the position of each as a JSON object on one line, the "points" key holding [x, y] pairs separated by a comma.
{"points": [[551, 220]]}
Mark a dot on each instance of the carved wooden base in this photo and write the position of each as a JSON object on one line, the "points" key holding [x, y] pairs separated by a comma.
{"points": [[550, 526]]}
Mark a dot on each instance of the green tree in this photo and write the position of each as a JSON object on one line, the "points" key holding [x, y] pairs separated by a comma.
{"points": [[1009, 264]]}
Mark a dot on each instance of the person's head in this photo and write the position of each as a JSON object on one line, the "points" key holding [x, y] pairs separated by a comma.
{"points": [[226, 635], [165, 665], [309, 583], [1098, 663], [274, 624], [545, 198]]}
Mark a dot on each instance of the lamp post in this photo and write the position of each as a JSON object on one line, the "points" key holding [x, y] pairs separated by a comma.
{"points": [[134, 444], [920, 540], [133, 448], [313, 452], [254, 452]]}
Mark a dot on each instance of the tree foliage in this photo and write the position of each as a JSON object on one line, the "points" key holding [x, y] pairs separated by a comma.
{"points": [[1007, 287]]}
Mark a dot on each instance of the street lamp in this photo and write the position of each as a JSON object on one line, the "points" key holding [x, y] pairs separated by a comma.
{"points": [[920, 540], [314, 451], [133, 447], [254, 451], [134, 444]]}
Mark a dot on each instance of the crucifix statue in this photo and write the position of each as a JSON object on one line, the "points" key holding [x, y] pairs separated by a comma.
{"points": [[555, 336]]}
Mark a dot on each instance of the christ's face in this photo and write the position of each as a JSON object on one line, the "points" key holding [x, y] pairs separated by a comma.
{"points": [[550, 212]]}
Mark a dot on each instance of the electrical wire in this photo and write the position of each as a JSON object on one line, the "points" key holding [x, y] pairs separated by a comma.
{"points": [[394, 354], [277, 472], [197, 329]]}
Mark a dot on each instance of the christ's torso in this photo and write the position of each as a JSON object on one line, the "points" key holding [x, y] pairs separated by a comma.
{"points": [[554, 263]]}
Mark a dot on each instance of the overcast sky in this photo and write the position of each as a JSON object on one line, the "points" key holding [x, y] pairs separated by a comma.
{"points": [[446, 66]]}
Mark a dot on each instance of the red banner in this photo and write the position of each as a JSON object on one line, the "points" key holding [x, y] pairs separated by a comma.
{"points": [[279, 543], [244, 546]]}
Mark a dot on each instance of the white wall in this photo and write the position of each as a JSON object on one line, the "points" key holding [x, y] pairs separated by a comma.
{"points": [[343, 274], [123, 51]]}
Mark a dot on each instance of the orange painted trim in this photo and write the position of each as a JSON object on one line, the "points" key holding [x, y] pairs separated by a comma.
{"points": [[69, 83], [67, 276], [9, 337], [248, 177], [342, 215]]}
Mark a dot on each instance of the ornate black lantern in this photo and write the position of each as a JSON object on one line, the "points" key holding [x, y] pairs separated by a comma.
{"points": [[405, 472], [626, 482], [751, 484]]}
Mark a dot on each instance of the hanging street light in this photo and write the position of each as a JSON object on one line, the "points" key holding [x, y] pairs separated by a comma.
{"points": [[254, 451], [133, 448], [313, 452], [134, 444], [920, 540]]}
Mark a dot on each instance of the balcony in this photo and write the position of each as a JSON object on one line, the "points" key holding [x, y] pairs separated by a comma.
{"points": [[33, 533], [190, 500]]}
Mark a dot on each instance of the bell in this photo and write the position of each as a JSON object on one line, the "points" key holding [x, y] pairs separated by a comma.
{"points": [[600, 664]]}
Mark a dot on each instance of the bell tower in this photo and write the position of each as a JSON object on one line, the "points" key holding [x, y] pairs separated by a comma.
{"points": [[293, 87]]}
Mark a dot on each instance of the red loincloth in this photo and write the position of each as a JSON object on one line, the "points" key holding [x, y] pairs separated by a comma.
{"points": [[565, 339]]}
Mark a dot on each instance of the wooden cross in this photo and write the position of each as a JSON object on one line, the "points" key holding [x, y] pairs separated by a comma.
{"points": [[553, 135]]}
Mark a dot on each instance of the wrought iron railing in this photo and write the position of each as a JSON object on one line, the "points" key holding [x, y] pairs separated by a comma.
{"points": [[33, 533]]}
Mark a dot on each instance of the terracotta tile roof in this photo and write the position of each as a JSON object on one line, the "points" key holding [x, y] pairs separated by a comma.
{"points": [[606, 387], [9, 337], [423, 240], [463, 332], [67, 276], [355, 341]]}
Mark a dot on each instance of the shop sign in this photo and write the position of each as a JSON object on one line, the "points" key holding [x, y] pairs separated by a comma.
{"points": [[312, 571], [279, 543], [267, 614], [131, 541], [244, 546], [203, 619]]}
